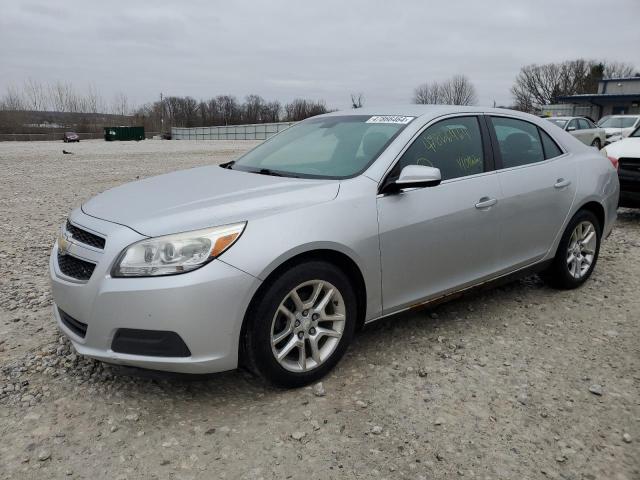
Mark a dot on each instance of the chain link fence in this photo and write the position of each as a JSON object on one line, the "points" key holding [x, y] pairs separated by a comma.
{"points": [[259, 131]]}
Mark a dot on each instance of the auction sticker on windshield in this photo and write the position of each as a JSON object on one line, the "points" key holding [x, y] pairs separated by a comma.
{"points": [[390, 119]]}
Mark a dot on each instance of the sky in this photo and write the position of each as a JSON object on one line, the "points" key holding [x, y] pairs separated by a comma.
{"points": [[282, 49]]}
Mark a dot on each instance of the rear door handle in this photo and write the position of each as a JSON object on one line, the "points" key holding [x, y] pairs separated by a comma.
{"points": [[486, 202], [561, 183]]}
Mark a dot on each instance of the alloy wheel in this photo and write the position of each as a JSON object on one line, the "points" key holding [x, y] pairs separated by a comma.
{"points": [[581, 249], [307, 326]]}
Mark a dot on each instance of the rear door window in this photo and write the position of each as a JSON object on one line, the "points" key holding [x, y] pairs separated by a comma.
{"points": [[519, 142]]}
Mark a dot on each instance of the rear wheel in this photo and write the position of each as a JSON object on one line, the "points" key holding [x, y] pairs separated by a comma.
{"points": [[596, 143], [301, 324], [577, 252]]}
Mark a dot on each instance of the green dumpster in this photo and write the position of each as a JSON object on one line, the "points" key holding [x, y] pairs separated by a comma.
{"points": [[123, 133]]}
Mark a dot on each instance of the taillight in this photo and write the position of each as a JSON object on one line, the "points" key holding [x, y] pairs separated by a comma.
{"points": [[614, 162]]}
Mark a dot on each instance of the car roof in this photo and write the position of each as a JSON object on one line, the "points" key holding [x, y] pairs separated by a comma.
{"points": [[561, 118], [431, 111]]}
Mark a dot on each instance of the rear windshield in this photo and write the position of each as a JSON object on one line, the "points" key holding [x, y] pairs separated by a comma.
{"points": [[619, 122], [327, 147], [559, 122]]}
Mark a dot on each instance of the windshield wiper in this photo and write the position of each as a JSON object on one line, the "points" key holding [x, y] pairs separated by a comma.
{"points": [[263, 171], [267, 171]]}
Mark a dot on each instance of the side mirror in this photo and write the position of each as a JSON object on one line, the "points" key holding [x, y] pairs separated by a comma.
{"points": [[414, 176], [570, 129]]}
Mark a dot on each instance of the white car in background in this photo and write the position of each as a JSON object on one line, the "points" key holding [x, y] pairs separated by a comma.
{"points": [[582, 128], [625, 155], [618, 127]]}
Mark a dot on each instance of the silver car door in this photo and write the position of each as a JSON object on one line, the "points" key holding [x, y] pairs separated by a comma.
{"points": [[435, 239], [538, 184], [573, 128], [586, 132]]}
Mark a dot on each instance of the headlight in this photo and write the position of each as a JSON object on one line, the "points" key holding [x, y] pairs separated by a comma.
{"points": [[178, 253]]}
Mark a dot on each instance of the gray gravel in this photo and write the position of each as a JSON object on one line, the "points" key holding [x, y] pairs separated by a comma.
{"points": [[517, 382]]}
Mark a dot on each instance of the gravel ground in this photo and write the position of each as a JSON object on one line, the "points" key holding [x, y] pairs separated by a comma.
{"points": [[518, 382]]}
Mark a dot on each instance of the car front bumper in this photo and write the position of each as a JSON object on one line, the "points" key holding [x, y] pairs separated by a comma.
{"points": [[205, 307]]}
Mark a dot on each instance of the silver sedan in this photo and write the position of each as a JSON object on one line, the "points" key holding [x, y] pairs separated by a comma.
{"points": [[273, 261]]}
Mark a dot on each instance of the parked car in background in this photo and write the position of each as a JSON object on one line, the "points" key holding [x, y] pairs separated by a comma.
{"points": [[273, 260], [626, 154], [71, 137], [582, 128], [618, 127]]}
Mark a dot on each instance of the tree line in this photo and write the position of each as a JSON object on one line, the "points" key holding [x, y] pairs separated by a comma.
{"points": [[225, 110]]}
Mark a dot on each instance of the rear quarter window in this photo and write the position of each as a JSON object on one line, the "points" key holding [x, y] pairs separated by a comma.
{"points": [[551, 148]]}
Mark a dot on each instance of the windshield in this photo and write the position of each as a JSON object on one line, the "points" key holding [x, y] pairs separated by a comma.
{"points": [[327, 147], [618, 122], [559, 122]]}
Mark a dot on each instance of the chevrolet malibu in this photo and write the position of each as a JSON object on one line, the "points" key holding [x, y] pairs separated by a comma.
{"points": [[274, 260]]}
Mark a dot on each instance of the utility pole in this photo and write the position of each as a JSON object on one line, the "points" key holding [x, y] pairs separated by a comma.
{"points": [[161, 116]]}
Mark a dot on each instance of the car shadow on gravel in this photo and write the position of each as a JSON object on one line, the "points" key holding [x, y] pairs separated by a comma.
{"points": [[240, 383]]}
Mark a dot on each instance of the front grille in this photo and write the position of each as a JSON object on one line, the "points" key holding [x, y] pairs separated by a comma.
{"points": [[629, 164], [74, 267], [72, 324], [85, 237]]}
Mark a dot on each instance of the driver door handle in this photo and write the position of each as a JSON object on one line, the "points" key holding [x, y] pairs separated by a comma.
{"points": [[486, 202], [561, 183]]}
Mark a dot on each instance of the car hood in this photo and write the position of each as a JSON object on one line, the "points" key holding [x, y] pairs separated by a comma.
{"points": [[627, 147], [618, 131], [204, 197]]}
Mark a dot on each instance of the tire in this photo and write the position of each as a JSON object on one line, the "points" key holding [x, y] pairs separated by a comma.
{"points": [[567, 271], [596, 143], [301, 325]]}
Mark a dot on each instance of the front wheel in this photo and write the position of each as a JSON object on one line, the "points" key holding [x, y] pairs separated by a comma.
{"points": [[577, 252], [301, 324], [596, 143]]}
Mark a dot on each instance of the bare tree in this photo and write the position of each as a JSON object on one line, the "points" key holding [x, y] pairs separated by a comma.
{"points": [[35, 94], [457, 90], [58, 96], [13, 99], [271, 112], [252, 109], [618, 70], [428, 94], [229, 109], [94, 102], [120, 104], [357, 100]]}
